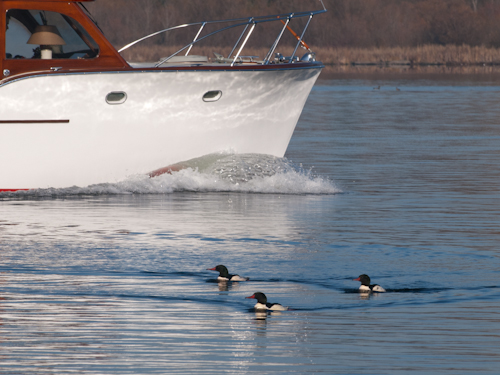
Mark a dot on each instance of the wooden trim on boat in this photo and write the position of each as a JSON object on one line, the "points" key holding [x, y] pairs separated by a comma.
{"points": [[34, 121], [52, 1]]}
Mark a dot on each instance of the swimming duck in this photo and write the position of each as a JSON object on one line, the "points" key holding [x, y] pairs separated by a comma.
{"points": [[262, 303], [224, 275], [366, 286]]}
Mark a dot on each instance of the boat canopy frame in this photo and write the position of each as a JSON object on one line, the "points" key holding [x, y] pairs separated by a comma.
{"points": [[249, 26]]}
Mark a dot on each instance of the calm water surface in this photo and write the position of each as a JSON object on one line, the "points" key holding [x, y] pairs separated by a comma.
{"points": [[401, 183]]}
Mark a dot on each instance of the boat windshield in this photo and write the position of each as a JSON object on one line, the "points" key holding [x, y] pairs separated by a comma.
{"points": [[35, 34]]}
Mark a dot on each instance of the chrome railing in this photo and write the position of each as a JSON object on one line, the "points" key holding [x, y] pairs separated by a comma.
{"points": [[249, 26]]}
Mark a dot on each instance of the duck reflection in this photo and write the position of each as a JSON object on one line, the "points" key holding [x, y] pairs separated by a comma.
{"points": [[260, 315], [225, 286], [263, 314], [368, 295], [364, 296]]}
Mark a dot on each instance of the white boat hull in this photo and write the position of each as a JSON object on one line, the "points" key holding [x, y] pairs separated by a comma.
{"points": [[58, 130]]}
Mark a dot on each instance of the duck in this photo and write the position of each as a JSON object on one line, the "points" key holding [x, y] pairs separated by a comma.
{"points": [[224, 274], [262, 303], [366, 286]]}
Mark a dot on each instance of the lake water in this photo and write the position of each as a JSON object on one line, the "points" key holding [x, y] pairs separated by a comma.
{"points": [[400, 182]]}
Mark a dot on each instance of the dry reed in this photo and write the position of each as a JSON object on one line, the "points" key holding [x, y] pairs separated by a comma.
{"points": [[423, 55]]}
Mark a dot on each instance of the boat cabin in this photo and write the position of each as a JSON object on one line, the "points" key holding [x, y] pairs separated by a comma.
{"points": [[45, 36]]}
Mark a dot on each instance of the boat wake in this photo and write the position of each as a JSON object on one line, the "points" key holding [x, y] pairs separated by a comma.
{"points": [[254, 173]]}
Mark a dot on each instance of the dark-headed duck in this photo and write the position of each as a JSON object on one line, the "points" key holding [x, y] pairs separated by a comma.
{"points": [[224, 275], [366, 286], [262, 303]]}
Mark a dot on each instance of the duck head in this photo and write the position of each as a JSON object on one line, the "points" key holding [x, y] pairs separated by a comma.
{"points": [[365, 279], [221, 269], [260, 297]]}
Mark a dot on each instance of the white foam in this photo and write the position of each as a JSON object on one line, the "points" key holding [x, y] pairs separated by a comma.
{"points": [[226, 173]]}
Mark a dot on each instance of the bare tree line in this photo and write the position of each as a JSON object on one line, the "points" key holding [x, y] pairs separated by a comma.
{"points": [[348, 23]]}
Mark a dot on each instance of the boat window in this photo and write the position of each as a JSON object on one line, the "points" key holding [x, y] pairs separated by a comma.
{"points": [[35, 34], [116, 97], [212, 96]]}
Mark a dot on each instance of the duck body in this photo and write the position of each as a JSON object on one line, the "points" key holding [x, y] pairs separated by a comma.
{"points": [[371, 288], [366, 287], [262, 303], [224, 274]]}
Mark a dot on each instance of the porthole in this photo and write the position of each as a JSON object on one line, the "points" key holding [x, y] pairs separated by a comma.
{"points": [[116, 97], [212, 96]]}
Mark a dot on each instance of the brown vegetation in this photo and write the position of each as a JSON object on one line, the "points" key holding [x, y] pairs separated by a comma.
{"points": [[450, 55], [451, 32]]}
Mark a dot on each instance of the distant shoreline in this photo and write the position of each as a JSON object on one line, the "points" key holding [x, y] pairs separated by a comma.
{"points": [[422, 56]]}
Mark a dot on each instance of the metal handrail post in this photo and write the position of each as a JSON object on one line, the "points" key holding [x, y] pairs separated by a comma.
{"points": [[301, 36], [275, 44], [244, 42], [196, 37], [241, 36]]}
